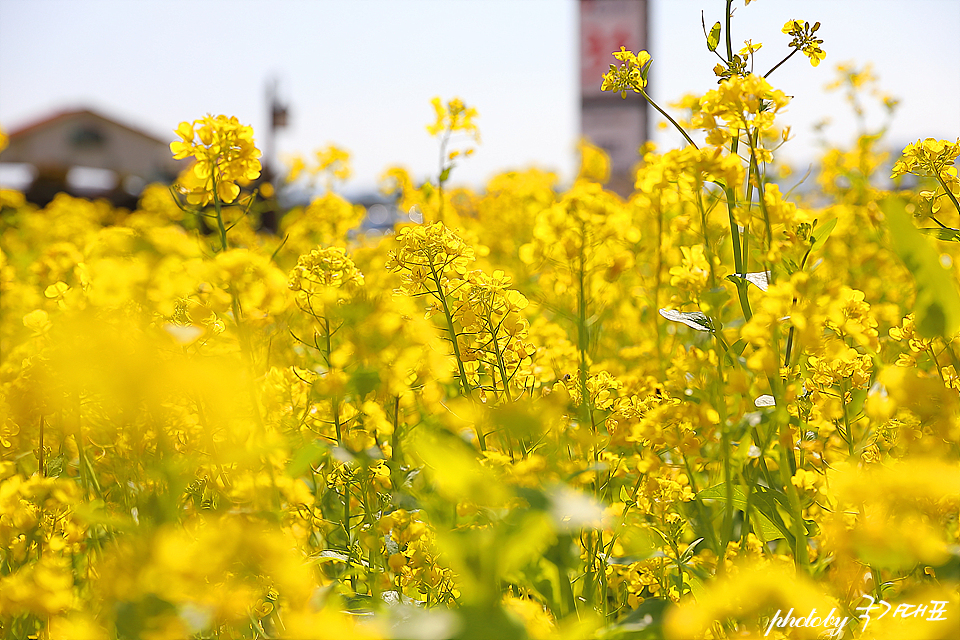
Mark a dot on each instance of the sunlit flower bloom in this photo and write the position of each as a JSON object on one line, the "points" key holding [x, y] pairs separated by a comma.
{"points": [[224, 154]]}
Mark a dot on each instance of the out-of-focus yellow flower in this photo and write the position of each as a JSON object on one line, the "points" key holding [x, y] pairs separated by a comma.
{"points": [[328, 274], [693, 273], [594, 163], [537, 621], [453, 117], [745, 599], [76, 625], [852, 77], [902, 511], [335, 161], [44, 589], [37, 321]]}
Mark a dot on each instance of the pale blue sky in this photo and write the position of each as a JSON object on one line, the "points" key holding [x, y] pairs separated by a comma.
{"points": [[361, 73]]}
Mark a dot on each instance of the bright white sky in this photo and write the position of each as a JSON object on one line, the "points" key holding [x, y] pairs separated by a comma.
{"points": [[361, 73]]}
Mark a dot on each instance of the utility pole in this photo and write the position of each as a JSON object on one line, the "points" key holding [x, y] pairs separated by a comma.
{"points": [[278, 120]]}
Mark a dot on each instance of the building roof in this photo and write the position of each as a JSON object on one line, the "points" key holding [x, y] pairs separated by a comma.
{"points": [[72, 113], [85, 138]]}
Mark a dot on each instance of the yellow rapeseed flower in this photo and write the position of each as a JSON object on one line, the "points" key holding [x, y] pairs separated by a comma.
{"points": [[452, 117], [629, 76], [804, 39], [225, 154]]}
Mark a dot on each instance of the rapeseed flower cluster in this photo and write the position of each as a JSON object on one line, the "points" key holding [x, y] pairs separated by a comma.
{"points": [[539, 412], [804, 39], [224, 153]]}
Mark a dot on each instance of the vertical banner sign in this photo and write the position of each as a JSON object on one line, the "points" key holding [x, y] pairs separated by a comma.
{"points": [[618, 126]]}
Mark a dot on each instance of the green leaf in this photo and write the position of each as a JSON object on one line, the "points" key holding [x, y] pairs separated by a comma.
{"points": [[714, 38], [305, 458], [134, 618], [712, 301], [445, 174], [643, 623], [767, 523], [480, 622], [688, 553], [735, 351], [638, 543], [697, 588], [937, 305], [821, 233], [455, 471], [365, 380], [738, 347], [55, 465], [949, 235]]}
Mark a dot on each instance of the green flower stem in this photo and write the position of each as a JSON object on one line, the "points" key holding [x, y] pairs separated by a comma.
{"points": [[703, 511], [626, 508], [799, 529], [396, 454], [788, 463], [731, 196], [874, 570], [336, 399], [440, 177], [706, 239], [846, 418], [582, 336], [40, 451], [936, 362], [604, 585], [789, 349], [755, 169], [729, 37], [88, 476], [374, 560], [504, 378], [346, 529], [762, 444], [501, 366], [747, 496], [787, 469], [727, 453], [777, 66], [739, 262], [949, 193], [465, 384], [679, 562], [657, 285], [219, 215], [667, 116]]}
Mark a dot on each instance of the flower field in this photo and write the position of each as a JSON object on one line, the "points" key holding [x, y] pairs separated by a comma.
{"points": [[715, 408]]}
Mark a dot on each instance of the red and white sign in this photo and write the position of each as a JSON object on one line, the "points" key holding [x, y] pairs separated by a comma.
{"points": [[605, 26]]}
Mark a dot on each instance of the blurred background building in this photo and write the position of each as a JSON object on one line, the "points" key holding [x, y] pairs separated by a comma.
{"points": [[617, 125], [89, 154], [86, 154], [532, 68]]}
